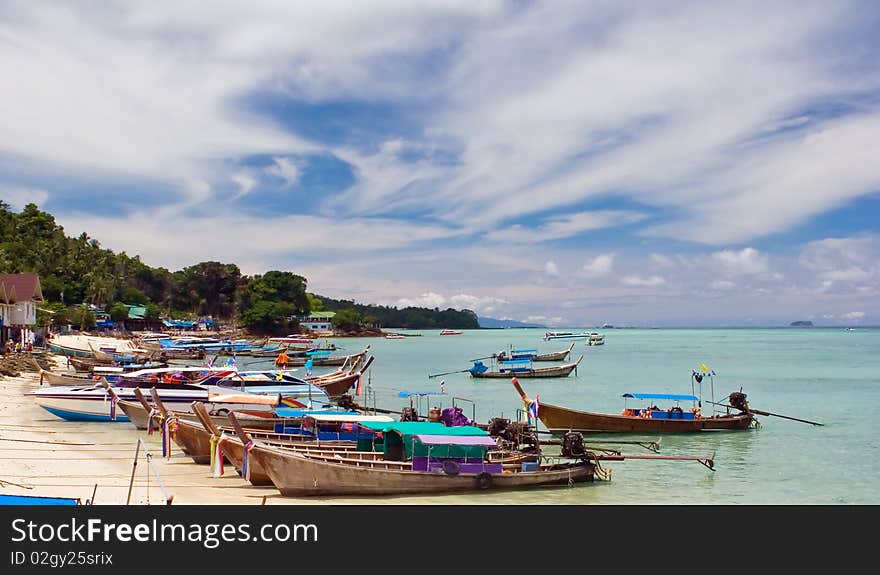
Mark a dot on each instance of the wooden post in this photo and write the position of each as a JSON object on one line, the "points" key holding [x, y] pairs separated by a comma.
{"points": [[239, 430], [158, 401], [134, 463], [140, 395], [202, 414]]}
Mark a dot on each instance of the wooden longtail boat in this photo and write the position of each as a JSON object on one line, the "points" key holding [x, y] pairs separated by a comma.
{"points": [[227, 440], [319, 359], [522, 368], [140, 412], [336, 385], [131, 355], [533, 355], [560, 420], [59, 379], [296, 473]]}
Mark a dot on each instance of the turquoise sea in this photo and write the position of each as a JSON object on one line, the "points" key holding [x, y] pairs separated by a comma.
{"points": [[831, 376]]}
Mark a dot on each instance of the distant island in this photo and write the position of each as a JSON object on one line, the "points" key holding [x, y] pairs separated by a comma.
{"points": [[492, 323], [806, 323]]}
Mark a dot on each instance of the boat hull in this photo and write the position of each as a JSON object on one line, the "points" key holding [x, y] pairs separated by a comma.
{"points": [[69, 351], [560, 420], [93, 404], [295, 474], [554, 371]]}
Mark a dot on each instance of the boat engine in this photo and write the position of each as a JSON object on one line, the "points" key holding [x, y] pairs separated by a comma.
{"points": [[498, 427], [573, 445], [738, 400]]}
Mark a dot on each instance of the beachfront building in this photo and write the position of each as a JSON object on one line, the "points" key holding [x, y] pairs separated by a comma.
{"points": [[318, 321], [19, 296]]}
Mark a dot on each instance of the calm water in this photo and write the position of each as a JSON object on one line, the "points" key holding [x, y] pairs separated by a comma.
{"points": [[830, 376]]}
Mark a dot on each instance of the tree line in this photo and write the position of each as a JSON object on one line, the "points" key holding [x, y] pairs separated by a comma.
{"points": [[78, 270]]}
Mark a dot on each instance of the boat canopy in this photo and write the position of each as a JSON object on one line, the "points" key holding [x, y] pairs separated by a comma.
{"points": [[669, 396], [517, 362], [423, 427], [456, 439], [349, 418], [299, 412]]}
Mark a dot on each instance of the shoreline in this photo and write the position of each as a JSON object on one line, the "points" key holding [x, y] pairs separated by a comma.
{"points": [[43, 455]]}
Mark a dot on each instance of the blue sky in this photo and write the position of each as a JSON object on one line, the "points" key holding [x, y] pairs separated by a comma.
{"points": [[568, 163]]}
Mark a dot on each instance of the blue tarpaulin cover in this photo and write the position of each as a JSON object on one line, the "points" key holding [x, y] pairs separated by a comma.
{"points": [[36, 500]]}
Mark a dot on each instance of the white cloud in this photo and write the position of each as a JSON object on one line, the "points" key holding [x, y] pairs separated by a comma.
{"points": [[566, 226], [747, 261], [551, 269], [854, 315], [459, 301], [285, 169], [722, 285], [661, 260], [640, 281], [18, 198], [245, 182], [598, 266]]}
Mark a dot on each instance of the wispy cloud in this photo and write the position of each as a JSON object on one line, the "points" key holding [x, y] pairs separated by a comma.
{"points": [[20, 197], [285, 169], [747, 261], [668, 142], [598, 266], [566, 226]]}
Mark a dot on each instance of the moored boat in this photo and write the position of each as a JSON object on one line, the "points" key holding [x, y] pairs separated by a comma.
{"points": [[533, 355], [559, 420], [522, 368], [418, 458], [566, 335]]}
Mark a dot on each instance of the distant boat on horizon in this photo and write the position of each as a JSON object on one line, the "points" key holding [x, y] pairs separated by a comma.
{"points": [[450, 332]]}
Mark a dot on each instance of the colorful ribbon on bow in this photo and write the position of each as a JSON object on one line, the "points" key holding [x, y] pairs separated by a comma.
{"points": [[217, 455], [113, 401], [169, 430], [150, 426]]}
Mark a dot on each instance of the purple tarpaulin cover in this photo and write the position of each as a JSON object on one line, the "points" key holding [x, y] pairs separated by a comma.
{"points": [[453, 416], [457, 440]]}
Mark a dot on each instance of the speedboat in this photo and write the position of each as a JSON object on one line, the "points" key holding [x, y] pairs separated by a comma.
{"points": [[566, 335], [92, 402]]}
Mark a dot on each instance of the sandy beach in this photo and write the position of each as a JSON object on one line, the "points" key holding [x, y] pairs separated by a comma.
{"points": [[43, 455]]}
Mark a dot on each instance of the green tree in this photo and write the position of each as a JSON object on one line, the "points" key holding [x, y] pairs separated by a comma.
{"points": [[153, 311], [83, 317], [54, 314], [347, 320], [269, 317], [315, 304], [119, 313]]}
